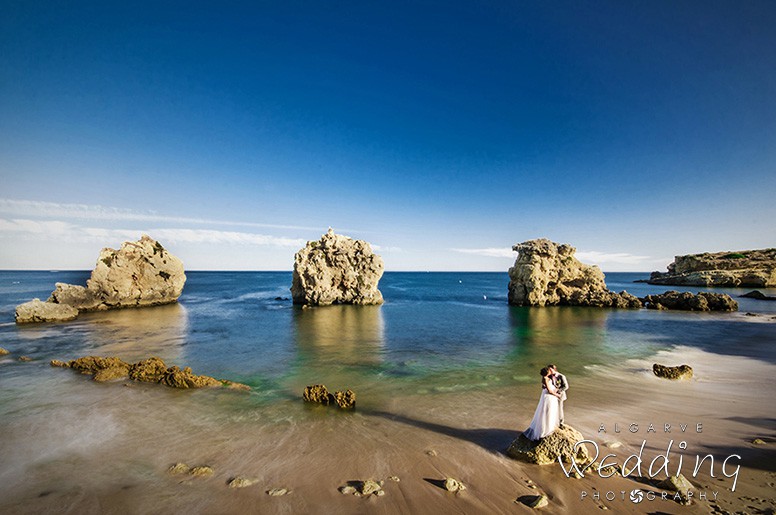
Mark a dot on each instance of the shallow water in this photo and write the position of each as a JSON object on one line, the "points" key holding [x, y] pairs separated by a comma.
{"points": [[444, 355]]}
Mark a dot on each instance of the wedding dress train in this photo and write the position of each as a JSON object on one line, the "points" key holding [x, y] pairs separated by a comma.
{"points": [[546, 417]]}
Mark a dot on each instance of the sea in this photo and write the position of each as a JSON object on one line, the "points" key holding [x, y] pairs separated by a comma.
{"points": [[438, 338]]}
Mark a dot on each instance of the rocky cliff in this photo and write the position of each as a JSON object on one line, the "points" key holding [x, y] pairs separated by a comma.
{"points": [[336, 270], [746, 268], [547, 274], [140, 273]]}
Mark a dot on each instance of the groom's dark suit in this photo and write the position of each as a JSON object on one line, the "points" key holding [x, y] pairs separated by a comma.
{"points": [[562, 384]]}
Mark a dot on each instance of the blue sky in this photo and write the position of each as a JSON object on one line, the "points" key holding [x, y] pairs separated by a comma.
{"points": [[442, 132]]}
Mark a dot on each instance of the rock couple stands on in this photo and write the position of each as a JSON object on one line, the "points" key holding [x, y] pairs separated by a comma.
{"points": [[336, 270], [752, 268], [141, 273], [547, 274]]}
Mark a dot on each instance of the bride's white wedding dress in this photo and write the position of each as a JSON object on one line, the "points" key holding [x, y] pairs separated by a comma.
{"points": [[546, 417]]}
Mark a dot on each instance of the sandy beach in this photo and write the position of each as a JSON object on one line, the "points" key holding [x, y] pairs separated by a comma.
{"points": [[108, 447]]}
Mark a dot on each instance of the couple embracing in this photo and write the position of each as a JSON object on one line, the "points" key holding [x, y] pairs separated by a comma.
{"points": [[549, 413]]}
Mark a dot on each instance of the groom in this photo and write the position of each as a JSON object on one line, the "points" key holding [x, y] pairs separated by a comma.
{"points": [[562, 384]]}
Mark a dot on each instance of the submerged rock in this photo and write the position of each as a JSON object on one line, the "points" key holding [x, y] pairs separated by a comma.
{"points": [[151, 370], [686, 301], [336, 270], [38, 311], [547, 274], [560, 443], [674, 373], [753, 268], [140, 273]]}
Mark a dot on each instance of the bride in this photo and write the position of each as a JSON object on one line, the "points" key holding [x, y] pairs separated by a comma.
{"points": [[547, 415]]}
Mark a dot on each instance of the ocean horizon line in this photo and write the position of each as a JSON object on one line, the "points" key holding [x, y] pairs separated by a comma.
{"points": [[279, 271]]}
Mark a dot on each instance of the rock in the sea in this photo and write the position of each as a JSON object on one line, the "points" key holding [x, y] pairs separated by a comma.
{"points": [[678, 372], [686, 301], [547, 274], [752, 268], [319, 394], [316, 393], [38, 311], [757, 294], [140, 273], [453, 485], [336, 270], [560, 443], [758, 441], [346, 399], [3, 352], [25, 358], [151, 370]]}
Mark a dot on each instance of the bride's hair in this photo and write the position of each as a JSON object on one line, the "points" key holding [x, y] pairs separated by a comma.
{"points": [[543, 372]]}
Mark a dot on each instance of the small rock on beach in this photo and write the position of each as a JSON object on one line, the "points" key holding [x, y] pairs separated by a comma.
{"points": [[453, 485], [277, 492]]}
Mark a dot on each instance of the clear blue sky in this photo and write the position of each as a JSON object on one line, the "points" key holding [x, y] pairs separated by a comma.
{"points": [[442, 132]]}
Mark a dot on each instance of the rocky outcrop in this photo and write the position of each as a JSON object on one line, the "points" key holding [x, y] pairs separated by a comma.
{"points": [[745, 268], [560, 443], [686, 301], [319, 394], [140, 273], [547, 274], [38, 311], [151, 370], [674, 373], [336, 270], [757, 294]]}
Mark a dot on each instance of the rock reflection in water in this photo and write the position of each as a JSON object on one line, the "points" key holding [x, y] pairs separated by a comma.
{"points": [[134, 334], [350, 334], [540, 332]]}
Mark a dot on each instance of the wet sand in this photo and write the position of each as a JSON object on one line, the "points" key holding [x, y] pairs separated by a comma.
{"points": [[106, 448]]}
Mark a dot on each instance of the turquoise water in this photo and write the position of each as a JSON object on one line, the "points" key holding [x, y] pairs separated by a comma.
{"points": [[436, 332]]}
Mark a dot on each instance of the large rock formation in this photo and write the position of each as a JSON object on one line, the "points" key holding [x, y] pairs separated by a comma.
{"points": [[746, 268], [141, 273], [336, 270], [547, 274], [686, 301], [560, 443]]}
